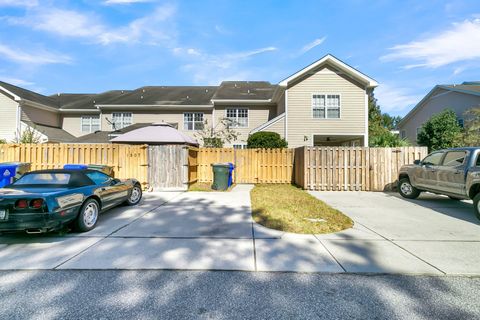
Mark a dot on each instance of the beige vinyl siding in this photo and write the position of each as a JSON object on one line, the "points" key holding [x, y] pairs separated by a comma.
{"points": [[40, 116], [300, 121], [439, 101], [278, 127], [8, 114], [72, 124], [257, 115], [165, 116]]}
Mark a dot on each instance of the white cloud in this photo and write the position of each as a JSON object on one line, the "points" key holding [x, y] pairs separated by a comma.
{"points": [[16, 81], [69, 23], [212, 68], [18, 3], [458, 44], [38, 57], [125, 1], [396, 100], [311, 45]]}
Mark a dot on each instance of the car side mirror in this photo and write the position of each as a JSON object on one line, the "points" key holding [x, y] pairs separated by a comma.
{"points": [[417, 162]]}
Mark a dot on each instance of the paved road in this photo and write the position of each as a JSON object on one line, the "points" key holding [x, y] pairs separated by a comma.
{"points": [[70, 294]]}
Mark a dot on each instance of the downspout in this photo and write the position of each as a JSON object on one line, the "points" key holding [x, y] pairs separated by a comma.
{"points": [[18, 122]]}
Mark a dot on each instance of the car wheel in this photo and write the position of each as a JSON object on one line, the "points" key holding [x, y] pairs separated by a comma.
{"points": [[406, 189], [455, 198], [476, 205], [88, 216], [135, 196]]}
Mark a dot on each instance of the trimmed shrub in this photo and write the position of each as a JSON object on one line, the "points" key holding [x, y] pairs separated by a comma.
{"points": [[267, 140]]}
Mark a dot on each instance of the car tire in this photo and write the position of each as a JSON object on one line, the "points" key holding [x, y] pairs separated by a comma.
{"points": [[135, 196], [476, 205], [406, 189], [88, 216]]}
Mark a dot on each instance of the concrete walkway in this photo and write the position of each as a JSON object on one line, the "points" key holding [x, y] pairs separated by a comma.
{"points": [[215, 231]]}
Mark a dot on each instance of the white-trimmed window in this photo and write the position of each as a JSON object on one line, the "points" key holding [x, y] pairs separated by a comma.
{"points": [[193, 121], [121, 120], [238, 117], [326, 106], [90, 124], [239, 146]]}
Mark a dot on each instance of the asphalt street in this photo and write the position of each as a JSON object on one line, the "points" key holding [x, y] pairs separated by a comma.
{"points": [[110, 294]]}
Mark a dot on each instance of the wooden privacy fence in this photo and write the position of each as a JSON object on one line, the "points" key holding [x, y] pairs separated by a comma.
{"points": [[251, 165], [128, 161], [338, 168]]}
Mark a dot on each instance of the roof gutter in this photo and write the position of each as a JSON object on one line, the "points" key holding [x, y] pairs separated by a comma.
{"points": [[151, 106], [240, 101]]}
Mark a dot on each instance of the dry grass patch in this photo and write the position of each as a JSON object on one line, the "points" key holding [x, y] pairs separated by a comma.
{"points": [[288, 208], [206, 187]]}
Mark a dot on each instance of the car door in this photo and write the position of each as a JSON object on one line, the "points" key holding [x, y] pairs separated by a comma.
{"points": [[111, 191], [427, 173], [451, 172]]}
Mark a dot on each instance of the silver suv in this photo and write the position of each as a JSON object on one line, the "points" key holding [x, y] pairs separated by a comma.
{"points": [[451, 172]]}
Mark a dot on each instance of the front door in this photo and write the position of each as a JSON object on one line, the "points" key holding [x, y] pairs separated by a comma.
{"points": [[427, 177], [451, 173]]}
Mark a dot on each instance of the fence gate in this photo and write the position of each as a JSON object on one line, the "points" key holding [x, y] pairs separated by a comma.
{"points": [[168, 167]]}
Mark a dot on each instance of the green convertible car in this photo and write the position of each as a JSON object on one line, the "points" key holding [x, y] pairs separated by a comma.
{"points": [[47, 200]]}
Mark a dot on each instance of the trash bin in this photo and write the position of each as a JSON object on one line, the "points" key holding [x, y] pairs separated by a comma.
{"points": [[75, 166], [103, 168], [230, 174], [12, 171], [221, 174]]}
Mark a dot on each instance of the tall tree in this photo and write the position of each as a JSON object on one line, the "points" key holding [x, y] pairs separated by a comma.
{"points": [[441, 131], [380, 126], [471, 130]]}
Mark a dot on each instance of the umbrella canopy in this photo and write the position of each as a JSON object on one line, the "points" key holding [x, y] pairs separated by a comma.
{"points": [[157, 133]]}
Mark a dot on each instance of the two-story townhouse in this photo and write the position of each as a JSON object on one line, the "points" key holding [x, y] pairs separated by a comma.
{"points": [[325, 103]]}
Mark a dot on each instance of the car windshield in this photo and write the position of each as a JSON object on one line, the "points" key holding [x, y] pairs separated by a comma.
{"points": [[44, 178]]}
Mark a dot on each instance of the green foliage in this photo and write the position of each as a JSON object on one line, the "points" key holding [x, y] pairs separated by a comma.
{"points": [[212, 143], [441, 131], [471, 132], [215, 137], [29, 135], [380, 126], [265, 139], [3, 141]]}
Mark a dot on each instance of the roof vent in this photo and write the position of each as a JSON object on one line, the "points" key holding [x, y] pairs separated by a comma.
{"points": [[206, 90], [234, 85], [93, 101], [143, 90], [141, 97], [188, 97], [122, 91], [248, 91]]}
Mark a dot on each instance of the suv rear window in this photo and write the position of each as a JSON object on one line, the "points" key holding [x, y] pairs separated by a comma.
{"points": [[454, 158]]}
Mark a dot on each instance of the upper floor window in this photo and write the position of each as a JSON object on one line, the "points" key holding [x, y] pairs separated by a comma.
{"points": [[121, 120], [238, 117], [193, 121], [90, 124], [326, 106], [403, 134]]}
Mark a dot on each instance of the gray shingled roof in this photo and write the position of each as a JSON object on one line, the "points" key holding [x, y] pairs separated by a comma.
{"points": [[163, 95], [245, 90], [30, 95], [87, 100], [54, 134], [472, 88]]}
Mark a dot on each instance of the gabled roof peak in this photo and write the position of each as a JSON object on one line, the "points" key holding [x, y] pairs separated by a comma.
{"points": [[332, 60]]}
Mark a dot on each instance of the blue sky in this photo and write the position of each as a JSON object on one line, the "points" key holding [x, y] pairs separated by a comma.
{"points": [[98, 45]]}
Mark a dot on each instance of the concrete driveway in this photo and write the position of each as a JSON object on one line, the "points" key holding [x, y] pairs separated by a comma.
{"points": [[214, 231]]}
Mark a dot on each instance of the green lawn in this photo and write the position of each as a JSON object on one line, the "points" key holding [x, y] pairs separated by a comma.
{"points": [[206, 187], [288, 208]]}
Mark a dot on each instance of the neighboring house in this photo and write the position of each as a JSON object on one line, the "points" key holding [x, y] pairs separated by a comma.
{"points": [[325, 103], [457, 97]]}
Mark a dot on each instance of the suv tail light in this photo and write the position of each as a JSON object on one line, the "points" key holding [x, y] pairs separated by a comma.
{"points": [[36, 203], [21, 204]]}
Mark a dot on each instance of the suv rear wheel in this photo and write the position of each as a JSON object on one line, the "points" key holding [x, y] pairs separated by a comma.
{"points": [[476, 205], [406, 189]]}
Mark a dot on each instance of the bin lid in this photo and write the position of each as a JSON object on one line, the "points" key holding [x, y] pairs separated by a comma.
{"points": [[75, 166], [221, 165]]}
